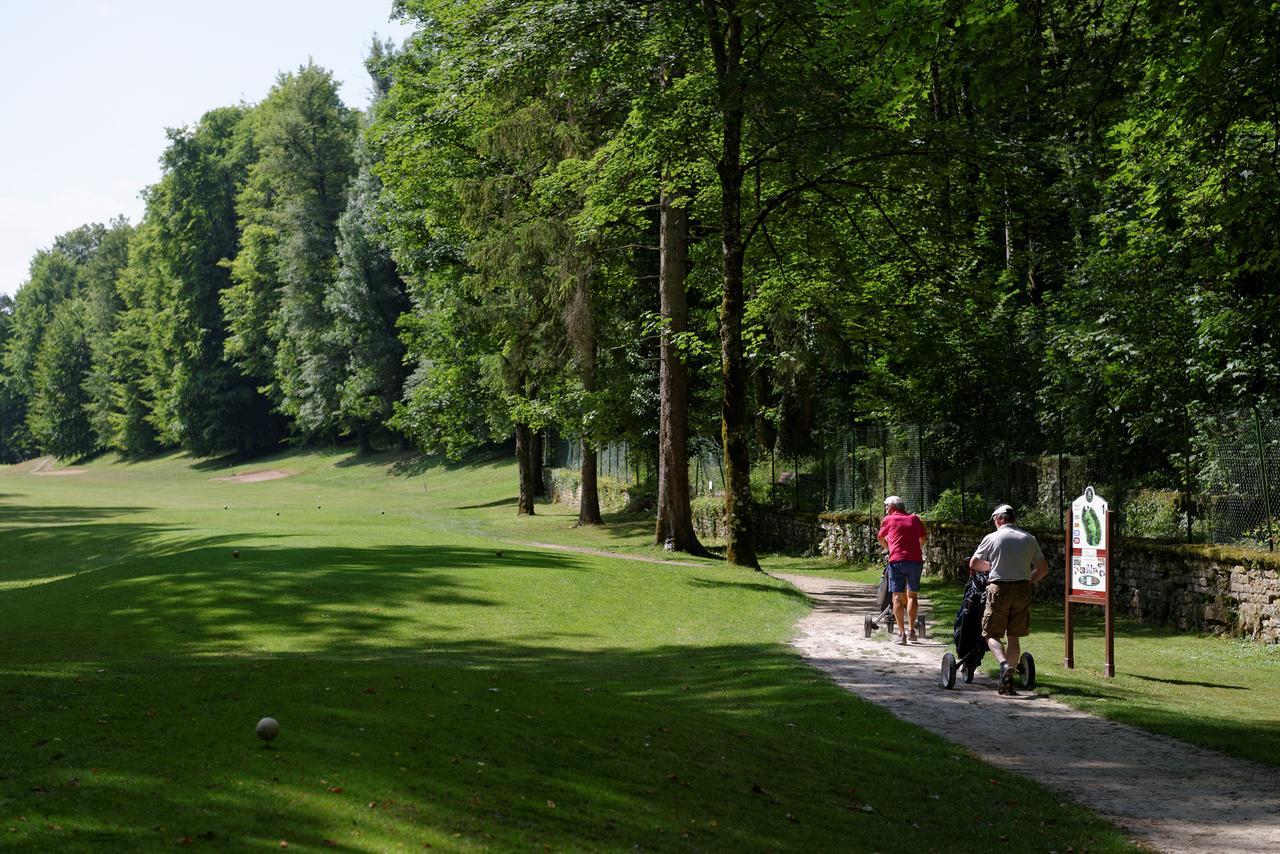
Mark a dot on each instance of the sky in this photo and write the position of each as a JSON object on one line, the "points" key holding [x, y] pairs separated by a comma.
{"points": [[88, 87]]}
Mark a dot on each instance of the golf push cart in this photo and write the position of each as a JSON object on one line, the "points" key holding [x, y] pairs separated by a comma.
{"points": [[970, 646], [884, 608]]}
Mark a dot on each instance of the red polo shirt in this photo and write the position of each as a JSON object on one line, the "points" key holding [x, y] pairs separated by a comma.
{"points": [[903, 532]]}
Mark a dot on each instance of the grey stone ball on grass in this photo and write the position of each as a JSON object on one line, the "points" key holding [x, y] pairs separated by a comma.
{"points": [[268, 728]]}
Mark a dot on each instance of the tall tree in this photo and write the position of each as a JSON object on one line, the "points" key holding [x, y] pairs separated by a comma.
{"points": [[204, 402], [81, 268], [367, 296], [674, 516], [102, 305], [60, 405], [52, 281], [295, 192], [13, 441], [481, 168], [725, 23]]}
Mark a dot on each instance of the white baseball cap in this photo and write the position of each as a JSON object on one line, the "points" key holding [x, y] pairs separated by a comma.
{"points": [[1003, 510]]}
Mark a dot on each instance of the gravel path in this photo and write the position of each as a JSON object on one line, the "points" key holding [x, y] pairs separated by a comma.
{"points": [[1166, 794]]}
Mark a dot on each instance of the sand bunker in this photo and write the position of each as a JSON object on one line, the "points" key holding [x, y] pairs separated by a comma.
{"points": [[255, 476], [44, 466]]}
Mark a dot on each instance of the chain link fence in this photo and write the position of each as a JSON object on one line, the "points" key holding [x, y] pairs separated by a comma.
{"points": [[1239, 468], [706, 467], [1226, 493], [617, 460]]}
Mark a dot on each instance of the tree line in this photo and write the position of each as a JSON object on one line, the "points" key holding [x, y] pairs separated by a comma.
{"points": [[1036, 223]]}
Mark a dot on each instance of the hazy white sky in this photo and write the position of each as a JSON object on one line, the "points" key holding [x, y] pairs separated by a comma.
{"points": [[87, 88]]}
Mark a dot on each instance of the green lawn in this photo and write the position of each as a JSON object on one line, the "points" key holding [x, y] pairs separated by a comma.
{"points": [[437, 683]]}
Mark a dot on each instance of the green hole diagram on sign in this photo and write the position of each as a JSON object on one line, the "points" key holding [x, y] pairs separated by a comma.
{"points": [[1092, 527]]}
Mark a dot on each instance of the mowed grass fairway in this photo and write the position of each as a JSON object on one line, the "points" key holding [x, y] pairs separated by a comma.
{"points": [[431, 691]]}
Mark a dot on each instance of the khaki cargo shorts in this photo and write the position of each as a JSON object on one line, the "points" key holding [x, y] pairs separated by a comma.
{"points": [[1008, 610]]}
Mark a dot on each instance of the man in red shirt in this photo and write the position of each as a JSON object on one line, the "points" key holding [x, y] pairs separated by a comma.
{"points": [[902, 535]]}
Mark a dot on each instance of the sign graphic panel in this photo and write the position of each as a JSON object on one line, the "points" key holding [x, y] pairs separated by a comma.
{"points": [[1089, 545]]}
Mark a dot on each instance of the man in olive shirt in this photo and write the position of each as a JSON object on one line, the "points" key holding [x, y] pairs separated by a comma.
{"points": [[1015, 562]]}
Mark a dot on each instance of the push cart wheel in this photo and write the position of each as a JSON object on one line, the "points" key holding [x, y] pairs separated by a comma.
{"points": [[888, 624], [1026, 671], [922, 631], [868, 625], [948, 675], [968, 675]]}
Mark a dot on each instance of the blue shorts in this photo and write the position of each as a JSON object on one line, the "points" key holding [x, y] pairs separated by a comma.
{"points": [[904, 575]]}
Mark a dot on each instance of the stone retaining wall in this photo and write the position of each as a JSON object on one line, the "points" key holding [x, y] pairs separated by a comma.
{"points": [[564, 486], [1195, 588]]}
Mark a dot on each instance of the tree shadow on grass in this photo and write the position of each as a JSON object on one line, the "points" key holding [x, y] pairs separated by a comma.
{"points": [[125, 584], [1257, 739], [490, 744], [151, 456], [628, 525], [500, 502], [13, 516], [636, 530], [1188, 682], [755, 587], [391, 457], [48, 547], [128, 695], [230, 460], [415, 464]]}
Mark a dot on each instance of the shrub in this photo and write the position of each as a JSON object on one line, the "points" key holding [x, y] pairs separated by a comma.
{"points": [[949, 507], [614, 494], [1041, 520], [1155, 514]]}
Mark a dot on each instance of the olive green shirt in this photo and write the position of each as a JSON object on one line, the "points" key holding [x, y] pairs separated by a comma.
{"points": [[1012, 553]]}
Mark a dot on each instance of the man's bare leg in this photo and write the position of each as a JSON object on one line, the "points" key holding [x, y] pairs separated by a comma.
{"points": [[1014, 650], [997, 648], [899, 613], [1008, 664], [913, 609]]}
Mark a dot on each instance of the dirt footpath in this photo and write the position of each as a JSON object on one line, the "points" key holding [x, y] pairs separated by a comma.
{"points": [[1166, 794]]}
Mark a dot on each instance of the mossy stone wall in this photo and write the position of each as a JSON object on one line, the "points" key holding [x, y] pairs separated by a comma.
{"points": [[1196, 588]]}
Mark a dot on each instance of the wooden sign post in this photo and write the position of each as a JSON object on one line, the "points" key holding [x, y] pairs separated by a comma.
{"points": [[1089, 577]]}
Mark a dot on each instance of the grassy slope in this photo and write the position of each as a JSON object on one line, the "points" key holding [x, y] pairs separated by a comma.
{"points": [[430, 691]]}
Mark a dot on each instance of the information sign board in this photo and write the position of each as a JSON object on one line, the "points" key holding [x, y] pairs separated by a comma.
{"points": [[1089, 533], [1088, 570]]}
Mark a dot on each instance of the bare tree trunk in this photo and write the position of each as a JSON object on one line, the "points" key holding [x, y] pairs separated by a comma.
{"points": [[675, 519], [1008, 230], [362, 439], [536, 456], [589, 504], [580, 324], [524, 461], [766, 430], [726, 46]]}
